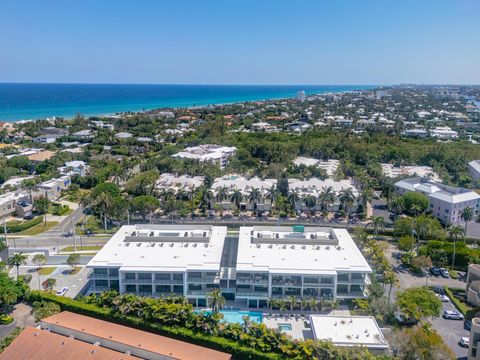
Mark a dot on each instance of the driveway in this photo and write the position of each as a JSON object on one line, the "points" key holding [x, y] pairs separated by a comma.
{"points": [[23, 317]]}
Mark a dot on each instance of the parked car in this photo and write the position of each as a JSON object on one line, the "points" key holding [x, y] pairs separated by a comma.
{"points": [[444, 272], [62, 291], [443, 298], [452, 315], [464, 341], [435, 271], [439, 290], [404, 320], [68, 234]]}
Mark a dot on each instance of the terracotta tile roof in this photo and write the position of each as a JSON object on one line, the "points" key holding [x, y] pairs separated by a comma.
{"points": [[133, 338], [36, 344], [41, 156]]}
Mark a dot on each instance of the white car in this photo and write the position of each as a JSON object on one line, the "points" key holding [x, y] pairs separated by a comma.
{"points": [[452, 315], [464, 341], [62, 291], [442, 298]]}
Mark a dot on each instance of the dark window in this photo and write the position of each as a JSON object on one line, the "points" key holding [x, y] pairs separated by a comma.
{"points": [[178, 289], [144, 276], [162, 288], [101, 283], [178, 277], [115, 285], [100, 271], [162, 276], [131, 288], [145, 288], [130, 276], [113, 272]]}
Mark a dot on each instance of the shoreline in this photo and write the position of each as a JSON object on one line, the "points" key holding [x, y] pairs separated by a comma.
{"points": [[69, 111]]}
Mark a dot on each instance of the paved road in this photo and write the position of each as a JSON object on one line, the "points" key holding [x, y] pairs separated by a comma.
{"points": [[23, 317]]}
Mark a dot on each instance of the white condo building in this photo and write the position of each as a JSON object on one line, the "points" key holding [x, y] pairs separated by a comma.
{"points": [[446, 203], [262, 263], [213, 153], [156, 260], [474, 169], [330, 166], [282, 261]]}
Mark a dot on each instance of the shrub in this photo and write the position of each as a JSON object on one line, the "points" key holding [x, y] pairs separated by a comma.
{"points": [[463, 308], [6, 319], [4, 343], [22, 226]]}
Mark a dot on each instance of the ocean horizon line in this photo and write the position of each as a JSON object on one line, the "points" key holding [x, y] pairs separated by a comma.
{"points": [[33, 101]]}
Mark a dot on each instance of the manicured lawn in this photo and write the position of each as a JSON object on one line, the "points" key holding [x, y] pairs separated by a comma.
{"points": [[38, 229], [47, 270], [81, 248], [94, 226]]}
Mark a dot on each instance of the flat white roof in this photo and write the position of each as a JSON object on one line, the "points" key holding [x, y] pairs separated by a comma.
{"points": [[348, 331], [314, 251], [163, 248]]}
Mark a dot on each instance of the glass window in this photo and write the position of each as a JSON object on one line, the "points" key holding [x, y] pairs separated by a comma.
{"points": [[178, 277], [101, 283], [343, 277], [131, 288], [145, 288], [342, 288], [144, 276], [277, 291], [261, 289], [100, 271], [162, 276], [194, 275], [178, 289], [202, 302], [114, 284], [162, 288], [130, 276], [194, 287], [113, 272]]}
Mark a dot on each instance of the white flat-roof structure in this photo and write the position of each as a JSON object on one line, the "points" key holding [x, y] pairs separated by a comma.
{"points": [[349, 331], [213, 153], [184, 182], [474, 169], [446, 202], [392, 171], [279, 261], [330, 166], [444, 132], [155, 260]]}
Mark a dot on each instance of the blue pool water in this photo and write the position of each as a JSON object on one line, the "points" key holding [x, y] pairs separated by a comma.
{"points": [[236, 316]]}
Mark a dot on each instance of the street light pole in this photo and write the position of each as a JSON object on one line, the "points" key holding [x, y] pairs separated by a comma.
{"points": [[73, 233]]}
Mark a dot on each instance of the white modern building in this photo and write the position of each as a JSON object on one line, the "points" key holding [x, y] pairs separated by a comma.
{"points": [[348, 331], [76, 167], [474, 169], [168, 181], [443, 132], [446, 203], [155, 260], [330, 166], [212, 153], [392, 171], [193, 260], [282, 261], [301, 96]]}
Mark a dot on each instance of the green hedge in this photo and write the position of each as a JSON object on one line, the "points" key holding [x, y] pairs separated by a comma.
{"points": [[214, 342], [19, 227], [458, 304], [60, 210]]}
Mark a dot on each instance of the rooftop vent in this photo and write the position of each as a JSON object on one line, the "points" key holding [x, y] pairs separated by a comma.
{"points": [[139, 244], [97, 343], [277, 236], [284, 246], [258, 246], [304, 247], [171, 244], [205, 245], [292, 247], [204, 234], [185, 234], [318, 247], [194, 245], [161, 244], [152, 233], [270, 246]]}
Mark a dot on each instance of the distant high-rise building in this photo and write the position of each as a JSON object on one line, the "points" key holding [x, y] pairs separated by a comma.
{"points": [[301, 96]]}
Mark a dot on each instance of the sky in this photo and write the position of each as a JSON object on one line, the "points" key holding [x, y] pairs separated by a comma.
{"points": [[240, 41]]}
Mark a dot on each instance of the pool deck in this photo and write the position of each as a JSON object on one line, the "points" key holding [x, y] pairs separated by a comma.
{"points": [[301, 329]]}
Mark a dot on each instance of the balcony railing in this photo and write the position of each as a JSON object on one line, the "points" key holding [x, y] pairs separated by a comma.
{"points": [[98, 276], [168, 282], [351, 281], [137, 281], [351, 294], [252, 281], [254, 293], [197, 292], [98, 288]]}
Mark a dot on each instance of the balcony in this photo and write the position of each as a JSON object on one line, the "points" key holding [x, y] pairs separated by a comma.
{"points": [[204, 280], [98, 288], [98, 276], [168, 282], [197, 292], [351, 294], [352, 281], [252, 293], [252, 282]]}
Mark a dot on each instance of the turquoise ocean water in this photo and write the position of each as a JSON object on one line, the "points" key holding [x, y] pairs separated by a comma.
{"points": [[22, 101]]}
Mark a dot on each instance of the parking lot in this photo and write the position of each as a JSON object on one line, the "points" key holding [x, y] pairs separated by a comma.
{"points": [[450, 330]]}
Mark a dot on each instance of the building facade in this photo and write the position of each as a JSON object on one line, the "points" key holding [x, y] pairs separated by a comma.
{"points": [[446, 203]]}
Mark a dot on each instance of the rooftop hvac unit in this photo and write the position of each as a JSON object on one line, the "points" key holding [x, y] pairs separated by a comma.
{"points": [[152, 233], [171, 244]]}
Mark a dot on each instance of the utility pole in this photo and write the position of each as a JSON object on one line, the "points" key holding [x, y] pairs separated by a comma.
{"points": [[73, 233], [5, 231]]}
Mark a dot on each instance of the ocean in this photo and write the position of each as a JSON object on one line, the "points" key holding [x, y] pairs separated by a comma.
{"points": [[23, 101]]}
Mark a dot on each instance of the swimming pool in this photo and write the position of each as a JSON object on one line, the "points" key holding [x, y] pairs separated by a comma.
{"points": [[236, 316]]}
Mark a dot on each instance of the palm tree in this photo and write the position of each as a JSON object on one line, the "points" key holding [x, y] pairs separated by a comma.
{"points": [[272, 195], [292, 300], [310, 201], [466, 215], [389, 278], [455, 232], [326, 199], [293, 198], [39, 260], [222, 194], [378, 222], [346, 199], [236, 197], [254, 196], [206, 196], [17, 260], [216, 300], [365, 197]]}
